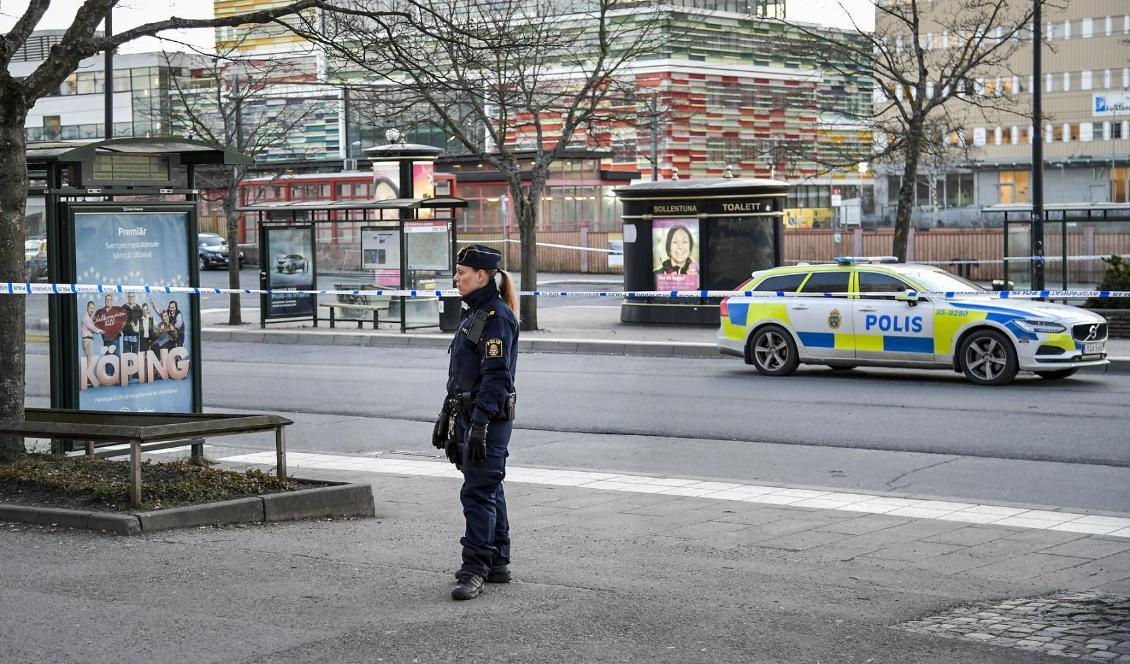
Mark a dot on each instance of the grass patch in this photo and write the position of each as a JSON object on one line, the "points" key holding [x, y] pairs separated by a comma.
{"points": [[92, 483]]}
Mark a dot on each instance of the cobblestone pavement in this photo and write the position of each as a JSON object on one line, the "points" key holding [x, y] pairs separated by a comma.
{"points": [[1084, 625]]}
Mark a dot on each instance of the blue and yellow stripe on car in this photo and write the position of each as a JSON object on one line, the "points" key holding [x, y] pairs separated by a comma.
{"points": [[744, 314]]}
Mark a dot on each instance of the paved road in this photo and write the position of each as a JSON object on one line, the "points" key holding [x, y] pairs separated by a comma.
{"points": [[920, 433]]}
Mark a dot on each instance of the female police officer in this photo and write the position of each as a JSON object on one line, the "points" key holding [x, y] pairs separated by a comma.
{"points": [[477, 416]]}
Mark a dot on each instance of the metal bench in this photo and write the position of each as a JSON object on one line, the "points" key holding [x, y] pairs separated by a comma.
{"points": [[375, 309], [139, 430]]}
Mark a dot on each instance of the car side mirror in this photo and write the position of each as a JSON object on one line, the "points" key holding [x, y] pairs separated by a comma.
{"points": [[908, 297]]}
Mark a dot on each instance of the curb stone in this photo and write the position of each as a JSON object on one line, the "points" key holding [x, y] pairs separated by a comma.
{"points": [[341, 500], [336, 500], [241, 510], [119, 524]]}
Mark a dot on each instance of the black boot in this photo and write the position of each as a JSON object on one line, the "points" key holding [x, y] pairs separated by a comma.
{"points": [[499, 574], [469, 586]]}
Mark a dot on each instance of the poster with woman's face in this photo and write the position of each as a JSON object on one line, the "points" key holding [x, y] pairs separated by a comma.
{"points": [[674, 250]]}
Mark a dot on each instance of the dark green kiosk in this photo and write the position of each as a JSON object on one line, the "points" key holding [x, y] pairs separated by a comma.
{"points": [[696, 235]]}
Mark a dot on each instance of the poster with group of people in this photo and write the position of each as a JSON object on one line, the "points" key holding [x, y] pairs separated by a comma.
{"points": [[136, 350]]}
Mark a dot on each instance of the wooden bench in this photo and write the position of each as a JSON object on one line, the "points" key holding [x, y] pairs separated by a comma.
{"points": [[374, 309], [142, 430]]}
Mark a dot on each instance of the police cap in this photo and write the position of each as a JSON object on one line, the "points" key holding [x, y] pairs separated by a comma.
{"points": [[479, 257]]}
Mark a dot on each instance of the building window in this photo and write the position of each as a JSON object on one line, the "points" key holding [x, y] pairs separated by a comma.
{"points": [[52, 128], [1013, 186], [1106, 79], [1086, 131], [1085, 80], [1120, 185], [1087, 29], [1067, 81], [959, 190]]}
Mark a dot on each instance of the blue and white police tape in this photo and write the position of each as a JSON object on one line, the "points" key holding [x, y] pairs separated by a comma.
{"points": [[989, 261], [17, 288]]}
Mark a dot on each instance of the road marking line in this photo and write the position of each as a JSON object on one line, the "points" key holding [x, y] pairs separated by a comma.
{"points": [[749, 493]]}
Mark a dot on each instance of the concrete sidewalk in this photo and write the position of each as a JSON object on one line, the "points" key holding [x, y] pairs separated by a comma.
{"points": [[600, 576]]}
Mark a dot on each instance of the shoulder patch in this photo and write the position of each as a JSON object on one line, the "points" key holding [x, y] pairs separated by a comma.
{"points": [[494, 348]]}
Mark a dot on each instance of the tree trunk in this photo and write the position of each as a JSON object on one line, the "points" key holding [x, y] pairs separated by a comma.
{"points": [[906, 198], [527, 234], [13, 201], [231, 218]]}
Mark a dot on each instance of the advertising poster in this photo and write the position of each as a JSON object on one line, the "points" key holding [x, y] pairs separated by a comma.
{"points": [[675, 254], [290, 252], [386, 180], [615, 250], [380, 252], [136, 351], [423, 186]]}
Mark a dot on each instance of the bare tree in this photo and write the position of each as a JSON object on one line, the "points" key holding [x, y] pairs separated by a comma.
{"points": [[928, 61], [228, 102], [514, 82], [17, 96]]}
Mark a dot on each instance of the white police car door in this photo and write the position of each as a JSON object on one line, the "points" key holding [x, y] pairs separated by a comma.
{"points": [[887, 329], [824, 323]]}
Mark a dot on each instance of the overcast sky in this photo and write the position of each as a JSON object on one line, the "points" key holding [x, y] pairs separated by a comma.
{"points": [[131, 13]]}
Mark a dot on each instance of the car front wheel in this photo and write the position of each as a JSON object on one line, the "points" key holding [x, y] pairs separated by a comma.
{"points": [[988, 358], [773, 352]]}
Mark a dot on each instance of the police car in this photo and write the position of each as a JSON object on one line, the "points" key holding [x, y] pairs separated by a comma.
{"points": [[866, 312]]}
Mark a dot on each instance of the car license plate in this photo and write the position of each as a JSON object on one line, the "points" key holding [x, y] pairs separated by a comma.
{"points": [[1093, 347]]}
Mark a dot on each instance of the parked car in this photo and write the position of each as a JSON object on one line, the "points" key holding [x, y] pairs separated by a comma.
{"points": [[35, 258], [291, 263], [212, 251], [856, 313]]}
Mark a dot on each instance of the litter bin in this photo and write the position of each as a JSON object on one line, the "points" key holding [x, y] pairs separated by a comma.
{"points": [[450, 313]]}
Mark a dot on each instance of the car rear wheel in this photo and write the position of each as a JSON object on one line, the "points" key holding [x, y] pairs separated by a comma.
{"points": [[988, 358], [773, 352], [1057, 374]]}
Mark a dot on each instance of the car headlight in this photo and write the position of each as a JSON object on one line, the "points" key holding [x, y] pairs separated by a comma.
{"points": [[1041, 326]]}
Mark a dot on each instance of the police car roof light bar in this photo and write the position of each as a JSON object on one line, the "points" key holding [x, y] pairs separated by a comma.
{"points": [[852, 260]]}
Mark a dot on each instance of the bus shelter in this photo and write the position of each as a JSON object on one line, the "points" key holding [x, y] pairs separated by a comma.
{"points": [[348, 245], [1076, 237], [689, 235], [122, 212]]}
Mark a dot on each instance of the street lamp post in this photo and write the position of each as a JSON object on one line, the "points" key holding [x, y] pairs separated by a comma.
{"points": [[1037, 151]]}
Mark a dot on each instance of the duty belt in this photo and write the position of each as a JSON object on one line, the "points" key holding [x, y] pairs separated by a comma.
{"points": [[466, 403]]}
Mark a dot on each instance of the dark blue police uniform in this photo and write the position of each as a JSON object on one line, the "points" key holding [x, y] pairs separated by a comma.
{"points": [[480, 380]]}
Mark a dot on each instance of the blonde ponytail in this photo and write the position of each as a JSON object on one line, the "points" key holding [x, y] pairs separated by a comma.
{"points": [[507, 291]]}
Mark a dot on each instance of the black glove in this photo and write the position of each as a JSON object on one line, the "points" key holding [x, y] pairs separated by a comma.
{"points": [[439, 433], [454, 454], [477, 442]]}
